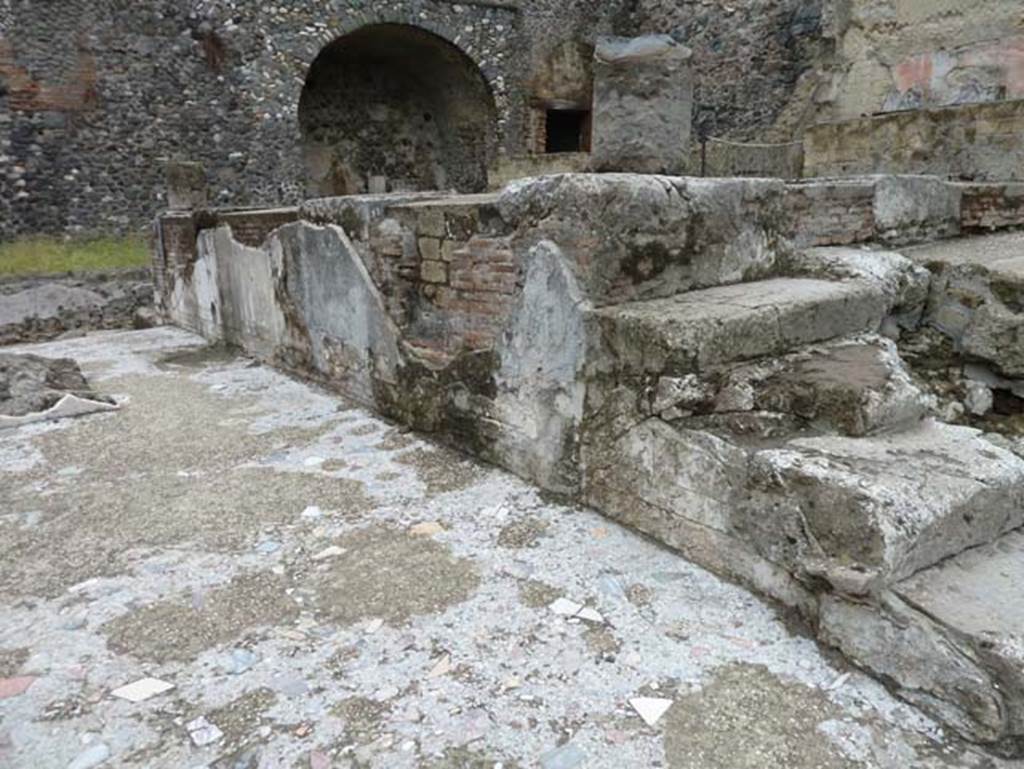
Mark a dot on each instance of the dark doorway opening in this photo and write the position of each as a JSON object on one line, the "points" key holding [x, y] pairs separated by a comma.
{"points": [[567, 130]]}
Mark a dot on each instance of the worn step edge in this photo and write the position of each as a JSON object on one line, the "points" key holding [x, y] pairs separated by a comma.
{"points": [[852, 386], [700, 329], [949, 639], [893, 504]]}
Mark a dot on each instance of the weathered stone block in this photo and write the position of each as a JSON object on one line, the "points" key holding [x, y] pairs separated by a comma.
{"points": [[894, 503], [916, 208], [654, 235], [643, 105], [186, 186], [430, 249], [434, 272], [700, 329]]}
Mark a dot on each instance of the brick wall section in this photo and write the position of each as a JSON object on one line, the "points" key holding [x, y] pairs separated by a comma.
{"points": [[482, 280], [451, 274], [174, 251], [75, 93], [253, 227], [178, 238], [992, 206], [834, 213]]}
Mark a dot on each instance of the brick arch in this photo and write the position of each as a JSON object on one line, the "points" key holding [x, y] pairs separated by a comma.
{"points": [[396, 106]]}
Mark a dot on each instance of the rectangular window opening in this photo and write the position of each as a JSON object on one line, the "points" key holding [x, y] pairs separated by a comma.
{"points": [[568, 130]]}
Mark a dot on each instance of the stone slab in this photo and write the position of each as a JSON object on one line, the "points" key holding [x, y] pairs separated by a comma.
{"points": [[1002, 253], [893, 504], [853, 387], [980, 593], [950, 638], [699, 329]]}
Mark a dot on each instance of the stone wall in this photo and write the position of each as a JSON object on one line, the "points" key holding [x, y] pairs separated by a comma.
{"points": [[750, 59], [95, 96], [983, 142]]}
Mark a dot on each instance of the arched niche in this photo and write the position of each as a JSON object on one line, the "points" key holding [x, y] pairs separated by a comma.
{"points": [[392, 107]]}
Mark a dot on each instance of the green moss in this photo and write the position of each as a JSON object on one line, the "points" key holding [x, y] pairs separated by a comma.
{"points": [[44, 255]]}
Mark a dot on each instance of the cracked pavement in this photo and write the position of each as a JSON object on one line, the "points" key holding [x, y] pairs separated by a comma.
{"points": [[324, 589]]}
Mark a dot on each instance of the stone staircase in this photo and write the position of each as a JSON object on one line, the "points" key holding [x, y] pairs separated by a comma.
{"points": [[684, 355], [771, 431]]}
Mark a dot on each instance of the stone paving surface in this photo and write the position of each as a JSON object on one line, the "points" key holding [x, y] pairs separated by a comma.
{"points": [[323, 589]]}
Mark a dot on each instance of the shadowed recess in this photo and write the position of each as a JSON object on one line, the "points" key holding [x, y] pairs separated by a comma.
{"points": [[393, 107]]}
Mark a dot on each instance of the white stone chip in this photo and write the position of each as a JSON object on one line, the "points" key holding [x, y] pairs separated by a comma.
{"points": [[442, 668], [590, 615], [650, 709], [202, 732], [374, 626], [142, 690], [839, 682], [68, 406], [566, 608]]}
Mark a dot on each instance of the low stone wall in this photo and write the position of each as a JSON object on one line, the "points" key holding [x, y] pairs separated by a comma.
{"points": [[460, 316], [38, 309], [894, 210], [428, 308], [980, 142], [176, 233], [511, 169]]}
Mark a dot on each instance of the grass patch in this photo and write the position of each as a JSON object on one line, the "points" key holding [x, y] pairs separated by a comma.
{"points": [[48, 255]]}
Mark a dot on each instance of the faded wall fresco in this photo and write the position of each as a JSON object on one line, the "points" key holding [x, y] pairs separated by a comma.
{"points": [[895, 55]]}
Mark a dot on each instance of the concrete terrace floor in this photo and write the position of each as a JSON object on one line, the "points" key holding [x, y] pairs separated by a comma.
{"points": [[324, 589]]}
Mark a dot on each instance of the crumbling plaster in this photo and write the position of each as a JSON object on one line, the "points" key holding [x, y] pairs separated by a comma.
{"points": [[923, 53]]}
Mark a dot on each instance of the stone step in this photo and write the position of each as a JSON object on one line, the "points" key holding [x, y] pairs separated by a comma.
{"points": [[977, 298], [882, 507], [695, 331], [978, 598], [950, 638], [855, 386]]}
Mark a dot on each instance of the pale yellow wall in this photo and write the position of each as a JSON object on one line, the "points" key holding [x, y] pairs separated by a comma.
{"points": [[898, 54]]}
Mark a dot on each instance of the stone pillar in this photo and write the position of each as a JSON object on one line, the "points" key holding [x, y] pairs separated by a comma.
{"points": [[186, 186], [643, 105]]}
